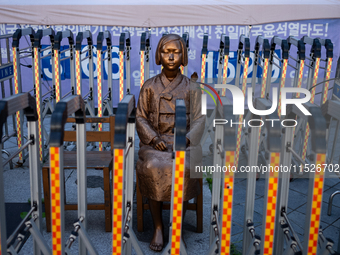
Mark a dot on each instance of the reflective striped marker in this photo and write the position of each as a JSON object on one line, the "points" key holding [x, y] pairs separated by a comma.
{"points": [[282, 83], [117, 207], [178, 203], [182, 69], [240, 119], [57, 75], [204, 60], [121, 75], [142, 67], [78, 73], [299, 84], [225, 73], [314, 224], [312, 99], [227, 209], [100, 99], [16, 89], [37, 96], [270, 209], [327, 77], [57, 241]]}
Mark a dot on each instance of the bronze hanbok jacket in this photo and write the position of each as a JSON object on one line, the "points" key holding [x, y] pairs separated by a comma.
{"points": [[156, 117]]}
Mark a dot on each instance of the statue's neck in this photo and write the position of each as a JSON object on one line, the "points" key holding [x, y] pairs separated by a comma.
{"points": [[170, 75]]}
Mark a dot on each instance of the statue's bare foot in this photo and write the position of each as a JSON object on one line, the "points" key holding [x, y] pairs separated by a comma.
{"points": [[156, 243]]}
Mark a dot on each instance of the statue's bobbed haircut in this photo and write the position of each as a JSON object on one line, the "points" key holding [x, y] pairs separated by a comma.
{"points": [[169, 38]]}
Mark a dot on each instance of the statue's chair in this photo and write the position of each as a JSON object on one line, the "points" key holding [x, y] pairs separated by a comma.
{"points": [[196, 205], [99, 160]]}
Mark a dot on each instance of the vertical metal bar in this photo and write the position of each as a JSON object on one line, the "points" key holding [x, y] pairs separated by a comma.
{"points": [[327, 77], [57, 199], [314, 204], [38, 238], [82, 180], [3, 233], [10, 80], [216, 179], [91, 76], [147, 64], [100, 92], [129, 177], [117, 207], [38, 99], [282, 83], [239, 128], [225, 73], [283, 189], [35, 177], [255, 67], [315, 79], [128, 70], [87, 241], [18, 89], [250, 191], [269, 211], [220, 59], [227, 208], [238, 67], [72, 70], [109, 76]]}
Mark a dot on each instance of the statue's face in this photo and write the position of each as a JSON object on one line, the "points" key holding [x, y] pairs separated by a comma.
{"points": [[171, 56]]}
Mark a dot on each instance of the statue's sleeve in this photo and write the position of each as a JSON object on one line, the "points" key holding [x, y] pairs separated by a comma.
{"points": [[145, 129], [197, 120]]}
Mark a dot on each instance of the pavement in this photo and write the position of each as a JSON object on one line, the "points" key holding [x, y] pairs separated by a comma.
{"points": [[17, 190]]}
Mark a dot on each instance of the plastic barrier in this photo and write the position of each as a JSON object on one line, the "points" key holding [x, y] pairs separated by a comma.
{"points": [[42, 105], [124, 56], [8, 106]]}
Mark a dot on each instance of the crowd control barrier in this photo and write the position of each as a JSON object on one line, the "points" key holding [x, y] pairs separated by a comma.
{"points": [[145, 50], [124, 57]]}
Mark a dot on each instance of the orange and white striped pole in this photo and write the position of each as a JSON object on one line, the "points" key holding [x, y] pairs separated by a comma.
{"points": [[227, 204], [240, 119], [225, 73], [57, 74], [282, 84], [121, 75], [269, 220], [177, 206], [117, 209], [327, 77], [142, 68], [314, 206], [18, 89], [315, 79], [38, 98], [100, 92], [57, 199]]}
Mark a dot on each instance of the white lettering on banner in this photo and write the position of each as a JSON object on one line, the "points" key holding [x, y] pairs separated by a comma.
{"points": [[46, 70]]}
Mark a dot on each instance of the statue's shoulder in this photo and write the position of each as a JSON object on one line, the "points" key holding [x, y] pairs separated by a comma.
{"points": [[150, 83]]}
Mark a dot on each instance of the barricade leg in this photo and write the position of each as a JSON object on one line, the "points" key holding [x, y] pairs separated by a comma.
{"points": [[3, 233]]}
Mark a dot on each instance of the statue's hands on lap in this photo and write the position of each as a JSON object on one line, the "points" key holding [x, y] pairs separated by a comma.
{"points": [[159, 144]]}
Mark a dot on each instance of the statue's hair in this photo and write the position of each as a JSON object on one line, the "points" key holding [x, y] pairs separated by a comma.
{"points": [[169, 38]]}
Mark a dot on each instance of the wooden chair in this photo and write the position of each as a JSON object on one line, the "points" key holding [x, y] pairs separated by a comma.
{"points": [[197, 206], [101, 160]]}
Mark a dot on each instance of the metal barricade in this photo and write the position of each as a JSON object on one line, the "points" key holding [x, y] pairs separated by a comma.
{"points": [[123, 237], [104, 101], [66, 107], [48, 102], [89, 97], [27, 52], [57, 62], [33, 220], [124, 56], [185, 37], [145, 49]]}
